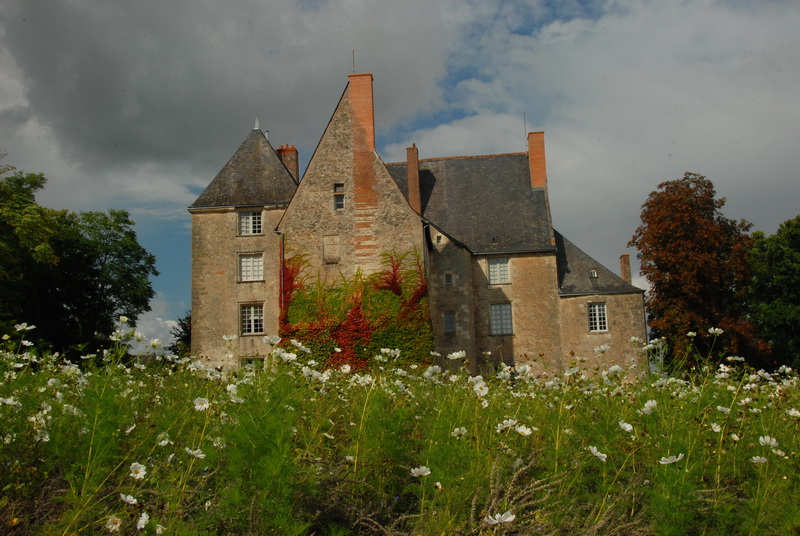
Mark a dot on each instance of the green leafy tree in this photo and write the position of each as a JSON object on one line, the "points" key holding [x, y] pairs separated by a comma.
{"points": [[70, 274], [695, 260], [775, 290], [182, 336]]}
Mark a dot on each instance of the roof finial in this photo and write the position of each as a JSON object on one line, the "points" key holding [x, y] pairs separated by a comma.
{"points": [[256, 127]]}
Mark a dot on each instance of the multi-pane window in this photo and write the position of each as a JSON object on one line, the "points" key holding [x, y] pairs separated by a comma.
{"points": [[449, 321], [251, 267], [448, 279], [249, 223], [500, 319], [338, 195], [498, 271], [598, 321], [252, 319]]}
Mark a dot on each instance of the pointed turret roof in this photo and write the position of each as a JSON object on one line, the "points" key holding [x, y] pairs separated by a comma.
{"points": [[254, 175]]}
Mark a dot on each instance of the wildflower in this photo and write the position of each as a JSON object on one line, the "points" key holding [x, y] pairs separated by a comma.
{"points": [[420, 471], [691, 334], [715, 427], [130, 499], [459, 432], [625, 426], [160, 529], [201, 404], [793, 412], [649, 407], [432, 371], [337, 350], [523, 430], [143, 519], [123, 319], [197, 453], [735, 437], [163, 440], [715, 331], [670, 459], [734, 358], [228, 338], [138, 470], [496, 519], [603, 348], [23, 327], [767, 441], [778, 452], [457, 355], [129, 430], [602, 457], [758, 459], [507, 423], [113, 524], [480, 389], [345, 368], [272, 340], [439, 486], [723, 409]]}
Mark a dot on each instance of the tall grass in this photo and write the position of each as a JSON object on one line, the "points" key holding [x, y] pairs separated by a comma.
{"points": [[169, 446]]}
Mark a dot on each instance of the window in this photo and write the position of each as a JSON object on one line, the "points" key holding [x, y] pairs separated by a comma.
{"points": [[251, 267], [449, 322], [249, 223], [448, 279], [593, 274], [252, 319], [498, 271], [597, 317], [500, 319], [439, 239], [338, 195]]}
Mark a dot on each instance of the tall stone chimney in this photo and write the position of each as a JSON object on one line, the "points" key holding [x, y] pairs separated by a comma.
{"points": [[412, 165], [361, 103], [536, 160], [625, 267], [288, 155]]}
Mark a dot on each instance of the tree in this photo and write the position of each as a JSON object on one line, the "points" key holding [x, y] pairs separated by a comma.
{"points": [[182, 335], [70, 274], [775, 290], [695, 260]]}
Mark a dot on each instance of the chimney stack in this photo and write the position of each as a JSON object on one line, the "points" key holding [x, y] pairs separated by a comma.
{"points": [[536, 160], [412, 165], [361, 103], [625, 267], [288, 155]]}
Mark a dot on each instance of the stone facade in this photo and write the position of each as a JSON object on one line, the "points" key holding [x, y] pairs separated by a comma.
{"points": [[504, 286]]}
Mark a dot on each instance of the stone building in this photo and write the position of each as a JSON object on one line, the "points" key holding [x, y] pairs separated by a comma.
{"points": [[503, 284]]}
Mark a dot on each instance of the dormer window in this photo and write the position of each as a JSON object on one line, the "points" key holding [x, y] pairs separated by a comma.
{"points": [[338, 195], [593, 274]]}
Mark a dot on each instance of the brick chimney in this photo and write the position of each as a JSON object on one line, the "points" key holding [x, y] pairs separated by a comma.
{"points": [[361, 103], [288, 155], [412, 164], [536, 160], [625, 267]]}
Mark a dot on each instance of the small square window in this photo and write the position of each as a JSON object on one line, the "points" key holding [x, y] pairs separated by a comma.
{"points": [[438, 239], [500, 319], [593, 274], [251, 267], [598, 320], [449, 322], [498, 271], [252, 319], [249, 223], [448, 279]]}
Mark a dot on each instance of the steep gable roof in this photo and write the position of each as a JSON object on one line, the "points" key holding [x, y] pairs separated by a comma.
{"points": [[254, 175], [573, 273], [484, 202]]}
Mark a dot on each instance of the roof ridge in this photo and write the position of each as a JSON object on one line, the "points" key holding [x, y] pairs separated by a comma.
{"points": [[497, 155]]}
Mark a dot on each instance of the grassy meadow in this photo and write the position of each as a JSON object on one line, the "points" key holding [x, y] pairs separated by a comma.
{"points": [[165, 445]]}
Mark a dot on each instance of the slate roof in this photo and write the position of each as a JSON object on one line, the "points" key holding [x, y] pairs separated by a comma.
{"points": [[253, 176], [484, 202], [573, 273]]}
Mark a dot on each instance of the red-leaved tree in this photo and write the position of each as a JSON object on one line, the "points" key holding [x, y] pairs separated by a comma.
{"points": [[695, 260]]}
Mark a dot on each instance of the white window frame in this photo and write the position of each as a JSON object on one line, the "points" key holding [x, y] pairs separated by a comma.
{"points": [[250, 223], [449, 322], [499, 273], [251, 267], [251, 318], [501, 321], [598, 317]]}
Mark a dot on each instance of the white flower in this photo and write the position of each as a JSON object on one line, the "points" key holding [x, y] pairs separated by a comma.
{"points": [[113, 524], [432, 371], [735, 437], [602, 457], [163, 439], [228, 338], [670, 459], [715, 331], [507, 423], [457, 355], [197, 453], [345, 369], [758, 459], [123, 319], [272, 340], [715, 427], [649, 407], [420, 471], [496, 519], [143, 519], [130, 499], [625, 426], [523, 430], [793, 412], [201, 404], [723, 409], [603, 348], [767, 441], [691, 334], [459, 432], [23, 327], [138, 470]]}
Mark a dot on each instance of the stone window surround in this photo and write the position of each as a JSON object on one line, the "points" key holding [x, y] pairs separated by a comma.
{"points": [[598, 317], [256, 265], [501, 320], [249, 223], [498, 270], [251, 318]]}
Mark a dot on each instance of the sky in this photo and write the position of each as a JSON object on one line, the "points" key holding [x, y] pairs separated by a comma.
{"points": [[138, 105]]}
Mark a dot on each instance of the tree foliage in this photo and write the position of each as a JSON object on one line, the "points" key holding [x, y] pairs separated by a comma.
{"points": [[70, 274], [695, 260], [775, 289]]}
